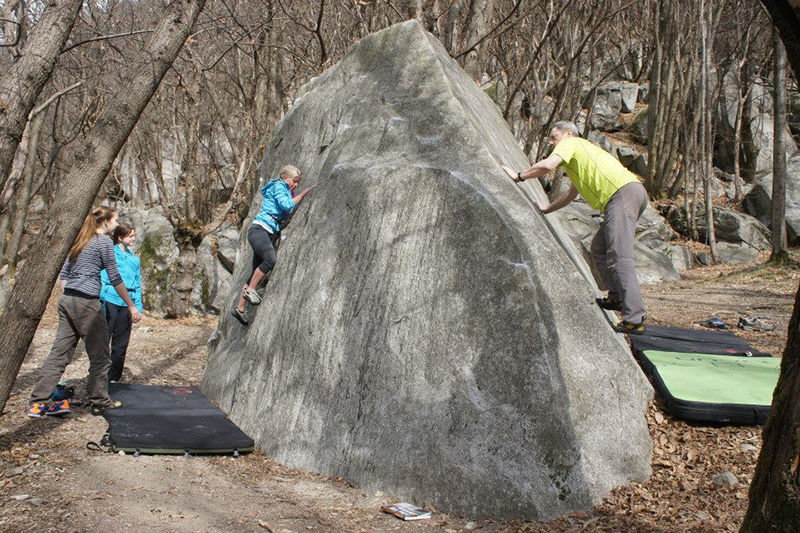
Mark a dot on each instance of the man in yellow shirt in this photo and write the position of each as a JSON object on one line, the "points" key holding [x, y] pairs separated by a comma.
{"points": [[613, 190]]}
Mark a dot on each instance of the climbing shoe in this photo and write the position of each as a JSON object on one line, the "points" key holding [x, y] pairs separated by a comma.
{"points": [[37, 409], [610, 304], [755, 324], [99, 407], [241, 316], [60, 407], [251, 296], [630, 328]]}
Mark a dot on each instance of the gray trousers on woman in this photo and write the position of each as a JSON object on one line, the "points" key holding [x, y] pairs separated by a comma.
{"points": [[78, 318], [612, 249]]}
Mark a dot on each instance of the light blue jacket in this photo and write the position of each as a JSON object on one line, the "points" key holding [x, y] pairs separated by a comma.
{"points": [[277, 205], [131, 272]]}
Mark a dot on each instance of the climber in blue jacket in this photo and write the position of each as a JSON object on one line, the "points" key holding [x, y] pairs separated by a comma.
{"points": [[265, 232], [117, 314]]}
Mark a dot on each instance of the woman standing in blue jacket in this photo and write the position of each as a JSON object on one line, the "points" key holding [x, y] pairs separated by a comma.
{"points": [[117, 314], [265, 232]]}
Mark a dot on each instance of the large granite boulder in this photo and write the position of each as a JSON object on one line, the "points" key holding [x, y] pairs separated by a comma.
{"points": [[633, 160], [426, 332], [760, 129], [158, 250], [215, 259], [730, 226], [736, 254], [638, 127], [758, 201], [597, 137]]}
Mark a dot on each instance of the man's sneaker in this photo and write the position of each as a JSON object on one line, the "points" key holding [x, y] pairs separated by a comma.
{"points": [[609, 304], [37, 409], [60, 407], [241, 316], [251, 296], [630, 327]]}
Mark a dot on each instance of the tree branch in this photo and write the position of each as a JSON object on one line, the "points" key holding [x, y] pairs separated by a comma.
{"points": [[53, 98], [103, 38]]}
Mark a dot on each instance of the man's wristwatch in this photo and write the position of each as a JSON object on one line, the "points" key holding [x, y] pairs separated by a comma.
{"points": [[519, 177]]}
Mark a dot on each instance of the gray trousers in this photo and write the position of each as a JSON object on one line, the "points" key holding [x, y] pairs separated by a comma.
{"points": [[78, 318], [612, 249]]}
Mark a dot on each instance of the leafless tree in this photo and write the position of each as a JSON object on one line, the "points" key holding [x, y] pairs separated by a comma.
{"points": [[21, 84], [90, 165]]}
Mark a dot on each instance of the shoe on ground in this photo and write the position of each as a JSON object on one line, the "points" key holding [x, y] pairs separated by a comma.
{"points": [[630, 328], [37, 409], [60, 407], [251, 296], [241, 316], [714, 322], [609, 304], [99, 407], [755, 324]]}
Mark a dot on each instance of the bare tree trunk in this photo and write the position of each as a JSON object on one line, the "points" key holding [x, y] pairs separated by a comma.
{"points": [[5, 219], [775, 490], [89, 168], [478, 23], [706, 134], [21, 85], [737, 145], [778, 220], [23, 195]]}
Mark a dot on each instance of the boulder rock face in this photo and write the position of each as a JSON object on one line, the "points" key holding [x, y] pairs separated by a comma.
{"points": [[212, 278], [426, 332], [758, 201], [760, 129], [729, 226], [736, 254], [159, 255]]}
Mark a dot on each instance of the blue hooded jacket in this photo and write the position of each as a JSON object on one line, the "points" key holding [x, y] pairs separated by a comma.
{"points": [[130, 269], [277, 205]]}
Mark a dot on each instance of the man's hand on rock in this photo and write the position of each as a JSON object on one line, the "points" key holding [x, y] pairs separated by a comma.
{"points": [[511, 174]]}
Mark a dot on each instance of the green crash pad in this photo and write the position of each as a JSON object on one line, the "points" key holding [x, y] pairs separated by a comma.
{"points": [[718, 388]]}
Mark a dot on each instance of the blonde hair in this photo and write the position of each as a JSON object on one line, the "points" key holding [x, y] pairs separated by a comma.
{"points": [[289, 172], [93, 220]]}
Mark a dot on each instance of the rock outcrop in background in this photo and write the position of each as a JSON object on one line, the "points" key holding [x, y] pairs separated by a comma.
{"points": [[426, 332], [758, 201]]}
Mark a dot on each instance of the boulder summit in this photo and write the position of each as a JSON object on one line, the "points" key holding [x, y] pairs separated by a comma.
{"points": [[426, 332]]}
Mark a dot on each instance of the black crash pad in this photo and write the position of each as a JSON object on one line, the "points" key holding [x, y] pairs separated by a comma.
{"points": [[717, 341], [170, 420]]}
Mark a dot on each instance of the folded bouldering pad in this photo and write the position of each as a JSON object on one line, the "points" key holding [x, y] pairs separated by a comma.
{"points": [[716, 341], [170, 420], [714, 388], [708, 376]]}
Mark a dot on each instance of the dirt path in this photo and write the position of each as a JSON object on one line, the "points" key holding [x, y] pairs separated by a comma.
{"points": [[50, 482]]}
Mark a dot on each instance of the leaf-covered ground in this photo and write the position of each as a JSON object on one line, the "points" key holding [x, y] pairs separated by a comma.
{"points": [[50, 482]]}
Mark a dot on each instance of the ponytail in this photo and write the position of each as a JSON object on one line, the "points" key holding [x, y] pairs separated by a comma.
{"points": [[93, 220]]}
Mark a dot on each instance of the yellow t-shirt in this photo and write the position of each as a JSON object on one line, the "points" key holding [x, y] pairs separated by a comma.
{"points": [[594, 172]]}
